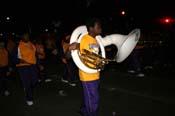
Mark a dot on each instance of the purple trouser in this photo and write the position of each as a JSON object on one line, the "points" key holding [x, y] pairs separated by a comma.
{"points": [[29, 78], [91, 98], [3, 79]]}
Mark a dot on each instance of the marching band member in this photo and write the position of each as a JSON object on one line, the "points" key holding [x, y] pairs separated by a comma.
{"points": [[27, 68], [90, 82]]}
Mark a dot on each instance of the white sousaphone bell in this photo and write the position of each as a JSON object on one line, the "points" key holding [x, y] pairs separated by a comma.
{"points": [[124, 43]]}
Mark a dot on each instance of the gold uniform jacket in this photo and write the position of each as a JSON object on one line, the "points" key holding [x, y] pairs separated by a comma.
{"points": [[89, 43]]}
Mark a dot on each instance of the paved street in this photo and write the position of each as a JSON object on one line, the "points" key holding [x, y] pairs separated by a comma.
{"points": [[121, 92]]}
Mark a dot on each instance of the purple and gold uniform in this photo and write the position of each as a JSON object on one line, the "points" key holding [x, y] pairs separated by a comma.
{"points": [[90, 82], [27, 67]]}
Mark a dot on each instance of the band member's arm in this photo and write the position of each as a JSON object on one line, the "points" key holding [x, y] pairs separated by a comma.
{"points": [[73, 46], [64, 60]]}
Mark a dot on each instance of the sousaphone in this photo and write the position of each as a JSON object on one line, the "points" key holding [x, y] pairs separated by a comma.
{"points": [[124, 43]]}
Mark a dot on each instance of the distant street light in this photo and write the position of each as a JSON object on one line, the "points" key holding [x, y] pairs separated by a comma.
{"points": [[7, 18], [167, 20], [123, 13], [46, 30]]}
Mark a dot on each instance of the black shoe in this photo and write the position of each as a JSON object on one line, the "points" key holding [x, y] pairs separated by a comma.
{"points": [[72, 84], [62, 93], [65, 81]]}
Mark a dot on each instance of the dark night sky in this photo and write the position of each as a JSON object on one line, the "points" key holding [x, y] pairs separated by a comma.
{"points": [[46, 9], [33, 12]]}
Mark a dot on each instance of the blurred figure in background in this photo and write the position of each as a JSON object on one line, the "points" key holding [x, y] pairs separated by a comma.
{"points": [[50, 47], [11, 46], [69, 75], [4, 62], [134, 61], [41, 57]]}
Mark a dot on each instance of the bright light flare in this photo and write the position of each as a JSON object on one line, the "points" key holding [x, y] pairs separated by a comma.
{"points": [[167, 20], [123, 13]]}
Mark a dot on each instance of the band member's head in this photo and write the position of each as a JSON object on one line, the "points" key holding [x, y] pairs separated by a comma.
{"points": [[94, 26], [2, 44], [67, 38], [25, 37]]}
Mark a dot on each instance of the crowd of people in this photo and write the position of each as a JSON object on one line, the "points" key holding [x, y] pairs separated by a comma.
{"points": [[28, 55]]}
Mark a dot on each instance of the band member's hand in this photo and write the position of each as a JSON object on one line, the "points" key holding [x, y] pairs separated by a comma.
{"points": [[74, 46], [64, 60], [23, 61]]}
